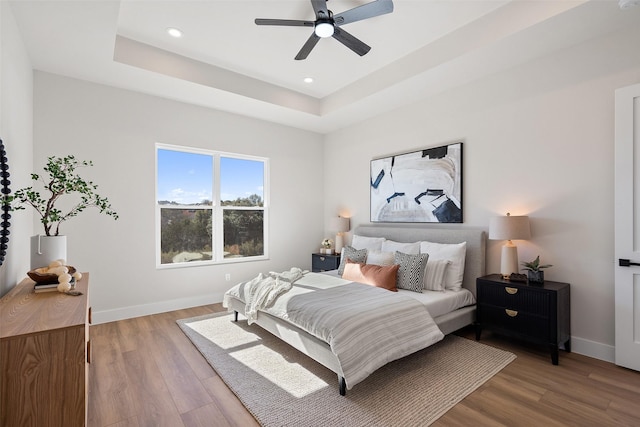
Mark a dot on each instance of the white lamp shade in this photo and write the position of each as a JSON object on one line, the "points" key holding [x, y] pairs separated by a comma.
{"points": [[509, 228], [339, 224]]}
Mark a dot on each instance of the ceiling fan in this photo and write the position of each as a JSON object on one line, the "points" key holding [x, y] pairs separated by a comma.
{"points": [[328, 25]]}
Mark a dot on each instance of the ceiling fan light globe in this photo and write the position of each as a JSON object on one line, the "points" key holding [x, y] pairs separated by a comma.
{"points": [[628, 4], [324, 29]]}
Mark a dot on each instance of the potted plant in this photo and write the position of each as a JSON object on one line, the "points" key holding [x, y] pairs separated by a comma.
{"points": [[61, 179], [535, 273]]}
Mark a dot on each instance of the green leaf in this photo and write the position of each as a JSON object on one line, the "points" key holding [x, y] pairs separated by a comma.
{"points": [[61, 179]]}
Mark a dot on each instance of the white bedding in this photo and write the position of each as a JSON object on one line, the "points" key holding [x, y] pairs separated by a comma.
{"points": [[365, 327], [442, 302], [436, 302]]}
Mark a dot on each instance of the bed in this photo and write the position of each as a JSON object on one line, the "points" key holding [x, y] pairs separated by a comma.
{"points": [[448, 316]]}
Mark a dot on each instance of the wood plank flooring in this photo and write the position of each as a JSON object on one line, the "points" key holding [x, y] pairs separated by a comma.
{"points": [[145, 372]]}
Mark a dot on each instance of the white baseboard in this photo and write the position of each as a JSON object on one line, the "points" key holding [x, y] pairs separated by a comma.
{"points": [[593, 349], [578, 345], [106, 316]]}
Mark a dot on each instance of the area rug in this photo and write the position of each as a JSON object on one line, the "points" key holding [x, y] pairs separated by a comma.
{"points": [[282, 387]]}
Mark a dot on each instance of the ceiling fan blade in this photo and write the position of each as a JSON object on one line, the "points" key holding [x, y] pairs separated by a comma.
{"points": [[308, 46], [369, 10], [320, 8], [285, 22], [351, 42]]}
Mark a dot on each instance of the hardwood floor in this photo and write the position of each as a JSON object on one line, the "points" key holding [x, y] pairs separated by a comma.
{"points": [[145, 372]]}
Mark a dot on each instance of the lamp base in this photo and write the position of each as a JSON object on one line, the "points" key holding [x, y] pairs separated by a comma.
{"points": [[509, 260], [339, 243]]}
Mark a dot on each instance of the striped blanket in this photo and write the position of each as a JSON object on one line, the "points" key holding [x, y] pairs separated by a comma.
{"points": [[365, 327]]}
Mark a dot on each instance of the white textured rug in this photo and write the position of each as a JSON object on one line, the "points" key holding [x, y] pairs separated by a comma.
{"points": [[282, 387]]}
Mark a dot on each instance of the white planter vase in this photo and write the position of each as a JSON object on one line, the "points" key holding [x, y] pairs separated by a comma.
{"points": [[45, 249]]}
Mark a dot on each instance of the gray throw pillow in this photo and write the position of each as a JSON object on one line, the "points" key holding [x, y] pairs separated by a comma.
{"points": [[355, 255], [411, 271]]}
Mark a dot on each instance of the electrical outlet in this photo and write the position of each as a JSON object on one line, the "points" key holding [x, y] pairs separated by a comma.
{"points": [[227, 277]]}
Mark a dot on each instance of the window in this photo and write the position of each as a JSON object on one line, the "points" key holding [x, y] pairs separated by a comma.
{"points": [[211, 207]]}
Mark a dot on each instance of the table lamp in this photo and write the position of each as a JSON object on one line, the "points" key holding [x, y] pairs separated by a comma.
{"points": [[509, 228], [339, 225]]}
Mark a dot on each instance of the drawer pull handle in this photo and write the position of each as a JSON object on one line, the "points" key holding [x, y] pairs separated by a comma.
{"points": [[511, 291], [322, 258], [511, 313]]}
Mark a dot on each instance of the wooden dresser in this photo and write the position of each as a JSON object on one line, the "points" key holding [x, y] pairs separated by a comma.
{"points": [[44, 356]]}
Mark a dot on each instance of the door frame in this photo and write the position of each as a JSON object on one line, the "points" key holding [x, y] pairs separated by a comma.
{"points": [[626, 350]]}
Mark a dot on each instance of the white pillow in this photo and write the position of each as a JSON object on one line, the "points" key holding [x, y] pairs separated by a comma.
{"points": [[456, 253], [405, 248], [371, 243], [434, 274], [380, 257]]}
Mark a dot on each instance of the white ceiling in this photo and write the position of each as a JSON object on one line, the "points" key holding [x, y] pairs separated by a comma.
{"points": [[225, 61]]}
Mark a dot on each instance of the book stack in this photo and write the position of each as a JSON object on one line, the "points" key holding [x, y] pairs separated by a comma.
{"points": [[48, 287], [45, 288]]}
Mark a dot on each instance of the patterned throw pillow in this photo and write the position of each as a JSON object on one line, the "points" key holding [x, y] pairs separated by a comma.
{"points": [[411, 271], [355, 255]]}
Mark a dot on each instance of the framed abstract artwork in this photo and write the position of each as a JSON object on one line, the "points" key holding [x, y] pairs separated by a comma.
{"points": [[418, 186]]}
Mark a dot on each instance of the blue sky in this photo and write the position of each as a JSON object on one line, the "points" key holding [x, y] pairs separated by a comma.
{"points": [[241, 178], [187, 178]]}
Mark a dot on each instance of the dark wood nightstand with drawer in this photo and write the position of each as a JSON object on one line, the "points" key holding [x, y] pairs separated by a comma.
{"points": [[536, 313], [324, 262]]}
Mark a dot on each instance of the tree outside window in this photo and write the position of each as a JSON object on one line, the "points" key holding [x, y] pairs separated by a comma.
{"points": [[211, 206]]}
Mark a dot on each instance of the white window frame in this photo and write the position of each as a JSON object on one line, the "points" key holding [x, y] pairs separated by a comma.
{"points": [[217, 214]]}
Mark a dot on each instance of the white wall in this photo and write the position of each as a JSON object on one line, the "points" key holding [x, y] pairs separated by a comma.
{"points": [[16, 117], [117, 129], [538, 140]]}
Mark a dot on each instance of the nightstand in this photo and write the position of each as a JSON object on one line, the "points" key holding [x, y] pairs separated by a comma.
{"points": [[324, 262], [534, 313]]}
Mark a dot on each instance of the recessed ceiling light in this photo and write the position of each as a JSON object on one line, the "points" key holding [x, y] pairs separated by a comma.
{"points": [[627, 4], [174, 32], [308, 79]]}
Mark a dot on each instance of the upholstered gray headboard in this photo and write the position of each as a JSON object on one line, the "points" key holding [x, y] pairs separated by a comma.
{"points": [[475, 237]]}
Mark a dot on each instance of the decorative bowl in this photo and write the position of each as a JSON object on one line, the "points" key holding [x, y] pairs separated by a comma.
{"points": [[46, 278]]}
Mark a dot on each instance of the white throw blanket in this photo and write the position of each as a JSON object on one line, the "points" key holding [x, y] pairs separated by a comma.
{"points": [[263, 290]]}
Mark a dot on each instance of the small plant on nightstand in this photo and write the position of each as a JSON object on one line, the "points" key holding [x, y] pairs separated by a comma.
{"points": [[534, 270], [326, 244]]}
